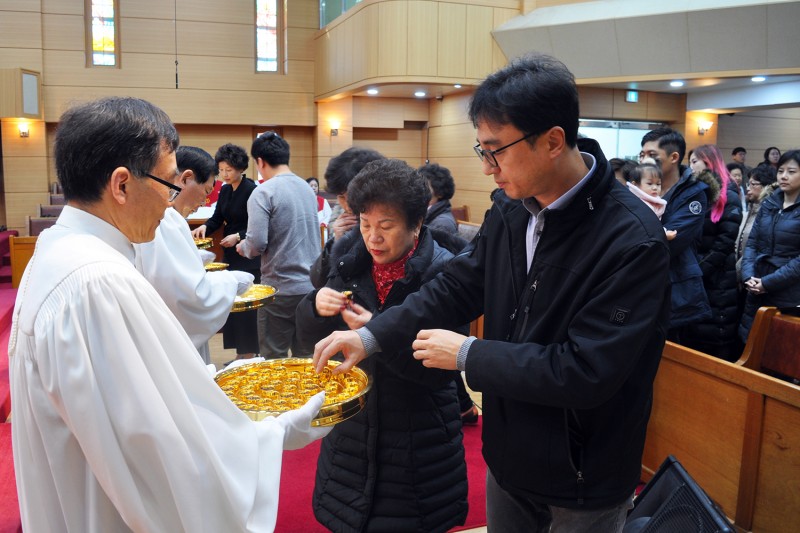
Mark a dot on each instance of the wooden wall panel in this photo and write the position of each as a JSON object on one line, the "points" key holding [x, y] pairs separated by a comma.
{"points": [[64, 7], [596, 102], [24, 174], [63, 32], [393, 43], [478, 202], [479, 41], [423, 38], [378, 112], [452, 40], [20, 29], [405, 144], [301, 141], [664, 107], [453, 141], [21, 57], [757, 130], [197, 106]]}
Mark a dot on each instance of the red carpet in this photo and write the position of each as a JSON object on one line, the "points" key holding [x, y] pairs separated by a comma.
{"points": [[297, 484]]}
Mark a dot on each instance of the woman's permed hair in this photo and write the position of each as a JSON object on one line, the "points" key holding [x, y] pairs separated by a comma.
{"points": [[234, 155], [391, 183], [440, 179]]}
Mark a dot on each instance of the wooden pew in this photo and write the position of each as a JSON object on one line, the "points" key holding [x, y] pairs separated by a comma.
{"points": [[21, 252], [737, 433], [773, 346], [461, 214]]}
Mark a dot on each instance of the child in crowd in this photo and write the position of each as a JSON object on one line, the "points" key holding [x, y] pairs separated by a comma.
{"points": [[645, 183]]}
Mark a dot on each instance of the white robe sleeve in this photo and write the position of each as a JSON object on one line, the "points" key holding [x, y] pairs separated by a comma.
{"points": [[200, 300], [136, 415]]}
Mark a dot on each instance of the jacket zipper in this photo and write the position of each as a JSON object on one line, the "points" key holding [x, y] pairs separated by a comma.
{"points": [[528, 302], [579, 479]]}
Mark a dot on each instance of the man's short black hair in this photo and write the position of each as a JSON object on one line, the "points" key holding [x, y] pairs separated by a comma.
{"points": [[343, 168], [198, 161], [234, 155], [271, 148], [95, 138], [390, 182], [668, 139], [738, 149], [440, 179], [534, 93]]}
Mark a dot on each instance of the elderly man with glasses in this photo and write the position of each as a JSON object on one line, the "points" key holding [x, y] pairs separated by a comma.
{"points": [[570, 270], [118, 426]]}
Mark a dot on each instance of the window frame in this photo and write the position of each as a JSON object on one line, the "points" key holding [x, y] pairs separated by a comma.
{"points": [[280, 35], [87, 18]]}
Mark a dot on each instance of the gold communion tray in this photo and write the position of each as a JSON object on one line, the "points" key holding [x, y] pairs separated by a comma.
{"points": [[255, 297], [271, 387], [204, 243], [214, 266]]}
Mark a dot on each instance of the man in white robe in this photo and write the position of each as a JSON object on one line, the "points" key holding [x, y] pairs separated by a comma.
{"points": [[117, 425], [200, 300]]}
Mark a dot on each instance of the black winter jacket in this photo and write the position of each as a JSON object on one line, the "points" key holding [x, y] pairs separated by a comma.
{"points": [[717, 260], [772, 254], [571, 348], [398, 465], [440, 216]]}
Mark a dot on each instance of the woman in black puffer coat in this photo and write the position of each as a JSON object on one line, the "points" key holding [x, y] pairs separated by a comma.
{"points": [[398, 465], [716, 254], [771, 261]]}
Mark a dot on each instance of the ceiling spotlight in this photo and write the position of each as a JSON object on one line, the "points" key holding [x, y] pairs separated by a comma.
{"points": [[457, 85], [372, 92], [676, 83], [420, 94], [758, 79]]}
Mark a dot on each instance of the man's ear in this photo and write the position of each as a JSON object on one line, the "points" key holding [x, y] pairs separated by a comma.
{"points": [[556, 140], [185, 176], [119, 184], [673, 158]]}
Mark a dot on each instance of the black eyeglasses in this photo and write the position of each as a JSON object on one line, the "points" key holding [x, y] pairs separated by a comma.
{"points": [[174, 189], [489, 155]]}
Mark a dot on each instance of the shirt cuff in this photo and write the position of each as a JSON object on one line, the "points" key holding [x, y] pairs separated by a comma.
{"points": [[461, 356], [368, 339]]}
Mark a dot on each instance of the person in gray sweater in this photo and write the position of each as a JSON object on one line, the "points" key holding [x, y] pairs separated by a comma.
{"points": [[282, 228]]}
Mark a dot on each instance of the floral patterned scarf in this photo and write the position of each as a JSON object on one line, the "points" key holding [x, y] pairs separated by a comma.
{"points": [[384, 276]]}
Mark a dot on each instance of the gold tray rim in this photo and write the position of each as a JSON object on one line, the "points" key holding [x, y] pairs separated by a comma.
{"points": [[249, 305], [204, 243], [328, 415], [215, 266]]}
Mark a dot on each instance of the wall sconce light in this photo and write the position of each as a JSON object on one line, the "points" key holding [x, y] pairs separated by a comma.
{"points": [[24, 130], [334, 132], [703, 127], [335, 124]]}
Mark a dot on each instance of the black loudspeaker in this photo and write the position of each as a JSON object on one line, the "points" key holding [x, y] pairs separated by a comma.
{"points": [[672, 502]]}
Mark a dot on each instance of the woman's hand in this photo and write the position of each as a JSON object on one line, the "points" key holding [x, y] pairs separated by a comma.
{"points": [[330, 302], [199, 232], [355, 316], [754, 286], [229, 241]]}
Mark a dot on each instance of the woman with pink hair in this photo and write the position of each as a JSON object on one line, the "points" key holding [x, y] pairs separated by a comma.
{"points": [[716, 254]]}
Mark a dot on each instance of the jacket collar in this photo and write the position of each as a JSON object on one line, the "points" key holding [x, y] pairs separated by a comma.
{"points": [[592, 192]]}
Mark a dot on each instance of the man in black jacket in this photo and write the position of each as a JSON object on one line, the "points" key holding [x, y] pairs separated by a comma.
{"points": [[571, 272]]}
